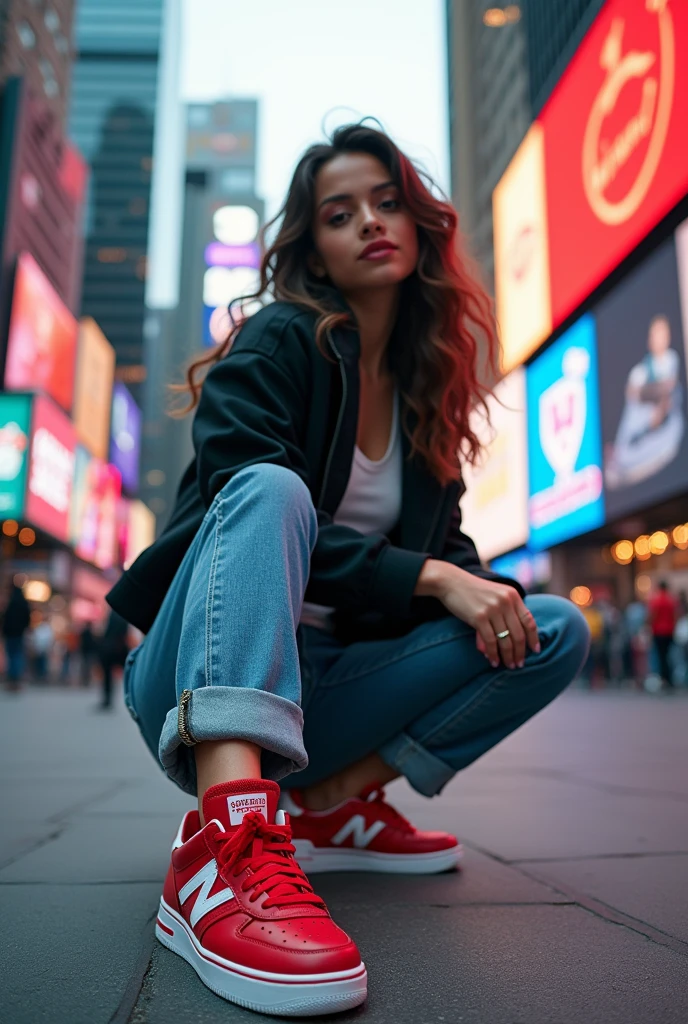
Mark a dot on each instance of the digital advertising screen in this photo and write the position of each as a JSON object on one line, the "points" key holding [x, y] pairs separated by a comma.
{"points": [[93, 392], [564, 443], [94, 513], [494, 508], [51, 469], [125, 437], [42, 338], [642, 364], [601, 166], [15, 424], [682, 260]]}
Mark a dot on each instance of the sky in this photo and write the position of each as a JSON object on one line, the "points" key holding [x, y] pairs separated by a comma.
{"points": [[319, 63]]}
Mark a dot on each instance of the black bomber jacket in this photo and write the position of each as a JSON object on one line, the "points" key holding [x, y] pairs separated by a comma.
{"points": [[275, 398]]}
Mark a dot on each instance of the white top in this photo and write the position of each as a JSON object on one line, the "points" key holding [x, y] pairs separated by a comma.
{"points": [[371, 503]]}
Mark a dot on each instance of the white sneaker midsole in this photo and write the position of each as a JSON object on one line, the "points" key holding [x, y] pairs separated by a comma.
{"points": [[265, 991], [314, 859]]}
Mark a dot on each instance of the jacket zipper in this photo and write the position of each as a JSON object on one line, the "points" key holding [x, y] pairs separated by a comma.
{"points": [[337, 428]]}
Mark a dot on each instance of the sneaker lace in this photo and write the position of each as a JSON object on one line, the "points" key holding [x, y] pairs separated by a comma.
{"points": [[376, 795], [268, 852]]}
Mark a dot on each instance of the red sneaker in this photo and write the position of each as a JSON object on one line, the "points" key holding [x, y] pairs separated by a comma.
{"points": [[366, 834], [239, 908]]}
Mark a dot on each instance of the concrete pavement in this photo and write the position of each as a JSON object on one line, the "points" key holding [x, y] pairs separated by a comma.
{"points": [[572, 907]]}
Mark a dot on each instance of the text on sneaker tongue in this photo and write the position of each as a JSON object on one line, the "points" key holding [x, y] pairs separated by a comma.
{"points": [[238, 806]]}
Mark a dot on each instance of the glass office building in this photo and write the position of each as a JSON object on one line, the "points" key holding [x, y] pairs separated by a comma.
{"points": [[114, 96]]}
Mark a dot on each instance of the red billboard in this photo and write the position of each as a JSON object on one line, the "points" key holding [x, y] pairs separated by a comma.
{"points": [[51, 469], [616, 143], [611, 160], [42, 339]]}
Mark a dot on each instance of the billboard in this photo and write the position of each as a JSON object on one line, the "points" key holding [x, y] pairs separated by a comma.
{"points": [[15, 422], [614, 159], [494, 509], [93, 390], [125, 437], [51, 469], [523, 305], [682, 260], [42, 339], [564, 445], [141, 531], [642, 386], [93, 523]]}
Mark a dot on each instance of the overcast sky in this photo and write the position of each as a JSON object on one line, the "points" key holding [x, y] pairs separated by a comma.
{"points": [[315, 62]]}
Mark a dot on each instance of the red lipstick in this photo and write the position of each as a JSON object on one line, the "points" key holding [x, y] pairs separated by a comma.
{"points": [[378, 249]]}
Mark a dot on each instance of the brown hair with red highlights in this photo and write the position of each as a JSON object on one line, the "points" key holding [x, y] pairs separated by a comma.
{"points": [[445, 322]]}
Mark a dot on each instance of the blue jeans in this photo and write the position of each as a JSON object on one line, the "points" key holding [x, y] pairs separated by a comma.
{"points": [[16, 661], [228, 633]]}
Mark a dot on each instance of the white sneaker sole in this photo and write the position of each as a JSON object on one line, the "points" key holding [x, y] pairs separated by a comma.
{"points": [[315, 859], [284, 994]]}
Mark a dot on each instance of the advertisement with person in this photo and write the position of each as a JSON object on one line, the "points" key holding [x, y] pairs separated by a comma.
{"points": [[93, 393], [643, 382], [94, 513], [42, 339], [15, 421], [125, 437], [682, 259], [494, 508], [51, 469], [564, 443]]}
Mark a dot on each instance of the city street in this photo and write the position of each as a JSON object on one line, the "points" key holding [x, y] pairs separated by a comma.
{"points": [[572, 908]]}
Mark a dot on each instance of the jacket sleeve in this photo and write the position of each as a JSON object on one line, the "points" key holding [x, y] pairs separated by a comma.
{"points": [[252, 410], [460, 550]]}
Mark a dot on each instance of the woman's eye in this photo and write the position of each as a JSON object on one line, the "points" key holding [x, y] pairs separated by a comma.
{"points": [[390, 204], [337, 219]]}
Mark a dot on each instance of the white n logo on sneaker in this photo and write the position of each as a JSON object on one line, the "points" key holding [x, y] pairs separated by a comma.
{"points": [[204, 880], [355, 827]]}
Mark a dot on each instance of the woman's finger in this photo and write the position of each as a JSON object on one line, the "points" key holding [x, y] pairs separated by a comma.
{"points": [[506, 645], [530, 626], [486, 633], [518, 635]]}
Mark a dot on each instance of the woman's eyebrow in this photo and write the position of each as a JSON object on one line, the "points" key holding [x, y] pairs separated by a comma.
{"points": [[347, 195]]}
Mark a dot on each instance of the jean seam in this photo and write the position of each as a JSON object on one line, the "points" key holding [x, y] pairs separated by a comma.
{"points": [[210, 601], [396, 657], [447, 726]]}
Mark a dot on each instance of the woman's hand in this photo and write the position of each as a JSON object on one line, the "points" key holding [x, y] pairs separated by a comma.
{"points": [[490, 608]]}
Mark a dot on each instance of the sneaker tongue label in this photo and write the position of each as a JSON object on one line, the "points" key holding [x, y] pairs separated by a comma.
{"points": [[238, 806]]}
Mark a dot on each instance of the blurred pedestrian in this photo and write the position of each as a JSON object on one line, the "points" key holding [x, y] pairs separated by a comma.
{"points": [[112, 651], [328, 437], [87, 648], [15, 622], [69, 641], [662, 615], [41, 639], [635, 653]]}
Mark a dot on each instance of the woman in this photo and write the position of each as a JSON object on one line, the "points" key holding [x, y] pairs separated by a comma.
{"points": [[327, 468]]}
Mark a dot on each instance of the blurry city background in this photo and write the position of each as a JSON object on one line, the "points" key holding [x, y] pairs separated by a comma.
{"points": [[143, 145]]}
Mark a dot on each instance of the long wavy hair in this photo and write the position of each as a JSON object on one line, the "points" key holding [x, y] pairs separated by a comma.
{"points": [[445, 324]]}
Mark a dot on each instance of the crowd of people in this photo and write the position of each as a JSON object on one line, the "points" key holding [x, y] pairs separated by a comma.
{"points": [[645, 643], [35, 651]]}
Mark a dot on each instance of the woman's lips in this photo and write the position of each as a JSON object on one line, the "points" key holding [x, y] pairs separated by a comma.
{"points": [[378, 250]]}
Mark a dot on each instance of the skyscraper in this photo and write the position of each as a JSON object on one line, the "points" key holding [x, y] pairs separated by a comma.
{"points": [[114, 98]]}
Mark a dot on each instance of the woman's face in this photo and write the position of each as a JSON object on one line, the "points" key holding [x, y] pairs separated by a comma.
{"points": [[364, 237]]}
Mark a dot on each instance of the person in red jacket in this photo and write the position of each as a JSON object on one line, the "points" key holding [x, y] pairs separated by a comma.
{"points": [[662, 614]]}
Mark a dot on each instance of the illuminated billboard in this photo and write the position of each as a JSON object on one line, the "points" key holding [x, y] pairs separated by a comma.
{"points": [[642, 369], [42, 339], [51, 469], [125, 437], [494, 509], [94, 510], [15, 421], [564, 445], [614, 162], [93, 391]]}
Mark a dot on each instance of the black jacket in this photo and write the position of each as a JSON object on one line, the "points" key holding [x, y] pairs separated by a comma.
{"points": [[275, 398]]}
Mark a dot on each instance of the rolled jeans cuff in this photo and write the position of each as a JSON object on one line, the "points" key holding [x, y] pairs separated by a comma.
{"points": [[233, 713], [425, 772]]}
